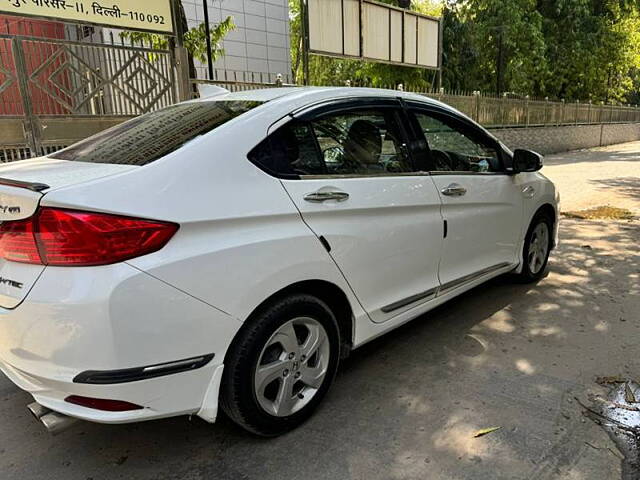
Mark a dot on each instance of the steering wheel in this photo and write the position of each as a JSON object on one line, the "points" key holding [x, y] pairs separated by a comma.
{"points": [[442, 161]]}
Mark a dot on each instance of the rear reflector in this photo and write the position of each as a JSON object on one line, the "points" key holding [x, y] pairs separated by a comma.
{"points": [[103, 404], [72, 238]]}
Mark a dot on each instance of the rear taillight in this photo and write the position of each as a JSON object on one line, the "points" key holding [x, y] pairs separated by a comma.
{"points": [[71, 238]]}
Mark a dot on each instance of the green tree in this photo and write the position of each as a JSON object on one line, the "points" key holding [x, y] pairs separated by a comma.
{"points": [[594, 48], [334, 71], [493, 45], [573, 49], [195, 39]]}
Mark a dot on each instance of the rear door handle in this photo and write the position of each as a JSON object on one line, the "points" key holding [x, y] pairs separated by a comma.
{"points": [[325, 195], [454, 190]]}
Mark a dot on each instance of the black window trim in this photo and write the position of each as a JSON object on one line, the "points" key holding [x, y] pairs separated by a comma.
{"points": [[474, 131], [326, 107]]}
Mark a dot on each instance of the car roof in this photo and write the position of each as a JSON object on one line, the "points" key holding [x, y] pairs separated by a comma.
{"points": [[314, 94], [284, 101]]}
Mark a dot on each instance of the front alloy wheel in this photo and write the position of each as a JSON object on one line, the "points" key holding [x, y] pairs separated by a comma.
{"points": [[537, 246]]}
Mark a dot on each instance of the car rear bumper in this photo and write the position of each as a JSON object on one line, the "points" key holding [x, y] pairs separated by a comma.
{"points": [[113, 318], [178, 394]]}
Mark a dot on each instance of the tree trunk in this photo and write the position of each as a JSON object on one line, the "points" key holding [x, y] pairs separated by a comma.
{"points": [[193, 73]]}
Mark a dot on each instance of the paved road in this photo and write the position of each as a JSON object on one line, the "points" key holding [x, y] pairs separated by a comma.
{"points": [[406, 405], [600, 176]]}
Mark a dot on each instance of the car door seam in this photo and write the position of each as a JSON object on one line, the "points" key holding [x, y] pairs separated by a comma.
{"points": [[333, 260]]}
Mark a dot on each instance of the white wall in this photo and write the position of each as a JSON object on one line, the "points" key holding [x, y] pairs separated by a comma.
{"points": [[260, 42]]}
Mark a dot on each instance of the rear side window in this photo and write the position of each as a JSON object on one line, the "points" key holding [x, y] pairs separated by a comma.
{"points": [[149, 137], [290, 152]]}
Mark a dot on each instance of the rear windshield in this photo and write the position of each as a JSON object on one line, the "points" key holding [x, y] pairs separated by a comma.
{"points": [[152, 136]]}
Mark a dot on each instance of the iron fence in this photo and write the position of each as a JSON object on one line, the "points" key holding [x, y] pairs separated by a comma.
{"points": [[58, 87], [54, 92], [497, 112], [509, 112]]}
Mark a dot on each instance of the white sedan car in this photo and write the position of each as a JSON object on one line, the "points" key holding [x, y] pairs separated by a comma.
{"points": [[230, 251]]}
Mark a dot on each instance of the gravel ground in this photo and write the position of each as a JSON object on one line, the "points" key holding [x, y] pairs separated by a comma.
{"points": [[407, 405]]}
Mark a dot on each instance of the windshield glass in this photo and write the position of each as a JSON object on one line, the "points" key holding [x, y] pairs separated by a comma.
{"points": [[149, 137]]}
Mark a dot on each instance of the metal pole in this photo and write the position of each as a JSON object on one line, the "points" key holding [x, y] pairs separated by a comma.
{"points": [[181, 56], [440, 51], [500, 61], [304, 19], [30, 124], [207, 30]]}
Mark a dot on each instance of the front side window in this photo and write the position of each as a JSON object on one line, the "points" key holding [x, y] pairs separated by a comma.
{"points": [[454, 150], [152, 136], [347, 143], [361, 143]]}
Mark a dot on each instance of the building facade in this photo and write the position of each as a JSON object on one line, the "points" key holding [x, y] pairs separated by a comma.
{"points": [[258, 48]]}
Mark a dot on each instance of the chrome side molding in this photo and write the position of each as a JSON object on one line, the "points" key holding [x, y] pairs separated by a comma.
{"points": [[409, 300], [438, 291], [471, 277]]}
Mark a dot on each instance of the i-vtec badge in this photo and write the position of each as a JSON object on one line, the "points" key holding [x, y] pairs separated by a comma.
{"points": [[11, 283], [6, 209]]}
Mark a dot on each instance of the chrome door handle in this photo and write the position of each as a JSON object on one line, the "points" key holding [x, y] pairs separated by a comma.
{"points": [[323, 196], [454, 190]]}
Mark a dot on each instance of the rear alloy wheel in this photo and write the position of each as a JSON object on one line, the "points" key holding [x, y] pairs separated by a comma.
{"points": [[281, 365], [537, 248], [292, 366]]}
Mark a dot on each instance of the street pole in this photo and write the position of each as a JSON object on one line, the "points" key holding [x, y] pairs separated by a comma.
{"points": [[207, 30], [304, 23], [500, 61], [181, 56], [440, 52]]}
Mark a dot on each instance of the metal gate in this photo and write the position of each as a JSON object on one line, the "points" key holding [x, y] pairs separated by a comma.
{"points": [[56, 92]]}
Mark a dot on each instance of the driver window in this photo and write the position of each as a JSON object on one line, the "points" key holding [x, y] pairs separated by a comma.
{"points": [[361, 143], [454, 151]]}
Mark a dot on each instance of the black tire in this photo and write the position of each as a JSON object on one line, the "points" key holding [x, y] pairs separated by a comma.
{"points": [[238, 397], [527, 275]]}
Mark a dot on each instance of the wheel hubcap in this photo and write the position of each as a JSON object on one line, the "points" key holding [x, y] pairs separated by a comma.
{"points": [[292, 366], [538, 248]]}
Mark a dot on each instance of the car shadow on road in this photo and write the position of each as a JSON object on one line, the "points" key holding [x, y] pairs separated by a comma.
{"points": [[407, 405]]}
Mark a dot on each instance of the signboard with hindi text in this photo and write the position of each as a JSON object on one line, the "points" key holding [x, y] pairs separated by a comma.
{"points": [[148, 15]]}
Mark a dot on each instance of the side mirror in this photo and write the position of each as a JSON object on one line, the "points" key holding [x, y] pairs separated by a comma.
{"points": [[526, 161]]}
